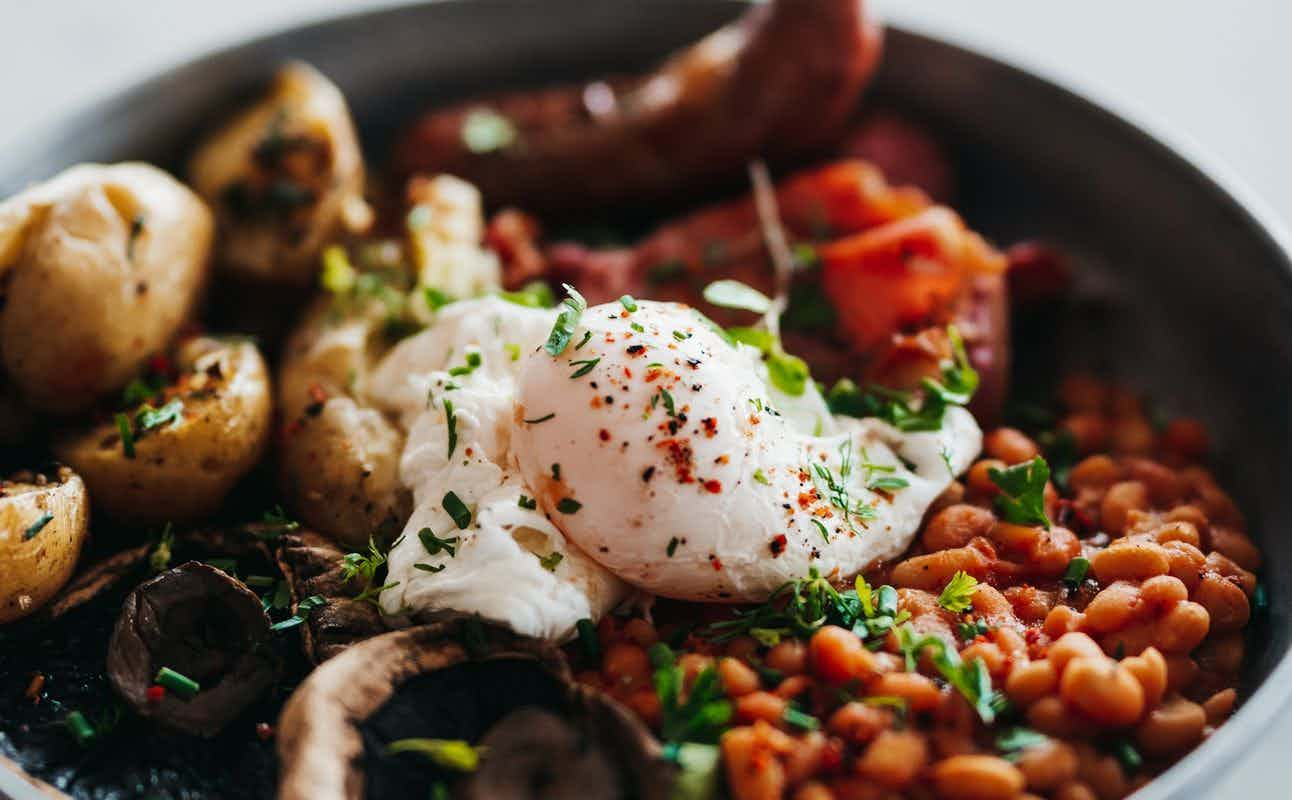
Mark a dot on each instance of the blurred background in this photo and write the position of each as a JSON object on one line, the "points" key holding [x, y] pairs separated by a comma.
{"points": [[1202, 74]]}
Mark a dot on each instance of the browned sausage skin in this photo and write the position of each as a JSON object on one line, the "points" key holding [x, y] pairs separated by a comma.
{"points": [[781, 81]]}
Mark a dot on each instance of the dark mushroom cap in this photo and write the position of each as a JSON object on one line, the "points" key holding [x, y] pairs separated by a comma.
{"points": [[202, 623], [454, 679]]}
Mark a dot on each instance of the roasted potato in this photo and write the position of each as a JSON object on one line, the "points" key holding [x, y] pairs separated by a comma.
{"points": [[175, 457], [286, 177], [103, 264], [340, 458], [44, 520]]}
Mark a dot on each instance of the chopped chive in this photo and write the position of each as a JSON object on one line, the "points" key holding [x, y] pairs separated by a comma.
{"points": [[800, 719], [513, 350], [668, 402], [568, 505], [629, 304], [303, 610], [586, 336], [820, 527], [636, 328], [681, 336], [1128, 756], [452, 419], [672, 546], [37, 526], [80, 728], [127, 435], [527, 502], [457, 510], [761, 477], [178, 684], [435, 545], [587, 365], [537, 420], [888, 483], [429, 568]]}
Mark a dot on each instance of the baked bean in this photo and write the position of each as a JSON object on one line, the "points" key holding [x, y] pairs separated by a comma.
{"points": [[953, 495], [640, 632], [1010, 641], [1089, 432], [1113, 608], [737, 677], [1149, 668], [1103, 690], [894, 758], [1225, 566], [1010, 445], [975, 777], [991, 656], [1052, 551], [751, 756], [1180, 671], [1120, 499], [1163, 591], [1130, 640], [1179, 531], [1226, 604], [1222, 655], [1185, 439], [1084, 393], [1047, 766], [1070, 646], [838, 656], [1165, 486], [805, 759], [692, 664], [813, 790], [1075, 790], [764, 706], [1132, 436], [1220, 705], [1182, 628], [955, 525], [1172, 728], [857, 788], [1129, 560], [1236, 545], [920, 693], [1094, 472], [978, 481], [1101, 772], [645, 703], [932, 571], [1011, 538], [1030, 604], [1186, 562], [1029, 681], [1061, 620], [794, 686], [789, 657], [626, 666], [1050, 716], [858, 722]]}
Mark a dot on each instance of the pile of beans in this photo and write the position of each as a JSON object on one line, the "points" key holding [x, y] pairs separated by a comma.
{"points": [[1110, 677]]}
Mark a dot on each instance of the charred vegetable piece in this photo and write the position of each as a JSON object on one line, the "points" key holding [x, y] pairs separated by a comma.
{"points": [[199, 630]]}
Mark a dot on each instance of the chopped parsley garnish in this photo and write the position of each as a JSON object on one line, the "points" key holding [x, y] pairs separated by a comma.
{"points": [[788, 373], [435, 299], [969, 631], [1128, 756], [435, 545], [1022, 497], [457, 510], [761, 477], [276, 522], [537, 420], [734, 294], [1011, 742], [473, 359], [534, 294], [1075, 574], [705, 712], [37, 526], [586, 336], [127, 435], [304, 609], [636, 328], [566, 321], [551, 561], [970, 679], [957, 595], [513, 351], [527, 502], [668, 402], [585, 366], [888, 483], [486, 131], [568, 505], [454, 755], [799, 608], [629, 304], [365, 566], [452, 420]]}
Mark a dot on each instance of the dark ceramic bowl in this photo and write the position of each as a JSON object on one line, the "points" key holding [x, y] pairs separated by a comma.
{"points": [[1185, 285]]}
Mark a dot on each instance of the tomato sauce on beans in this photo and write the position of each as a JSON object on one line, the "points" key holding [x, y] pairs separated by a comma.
{"points": [[1017, 659]]}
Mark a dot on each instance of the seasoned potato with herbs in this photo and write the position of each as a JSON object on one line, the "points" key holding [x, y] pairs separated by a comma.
{"points": [[340, 458], [44, 518], [187, 437], [285, 176], [102, 264]]}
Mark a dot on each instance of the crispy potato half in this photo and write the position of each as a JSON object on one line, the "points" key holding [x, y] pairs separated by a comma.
{"points": [[103, 264], [175, 456], [285, 177], [44, 519], [340, 457]]}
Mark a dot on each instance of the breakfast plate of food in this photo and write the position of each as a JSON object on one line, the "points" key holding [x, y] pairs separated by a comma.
{"points": [[677, 400]]}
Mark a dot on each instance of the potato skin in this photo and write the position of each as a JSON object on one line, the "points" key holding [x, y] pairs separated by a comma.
{"points": [[104, 264], [180, 473], [32, 570], [339, 466], [285, 177]]}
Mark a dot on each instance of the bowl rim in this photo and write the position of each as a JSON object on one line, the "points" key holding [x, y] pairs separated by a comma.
{"points": [[1209, 174]]}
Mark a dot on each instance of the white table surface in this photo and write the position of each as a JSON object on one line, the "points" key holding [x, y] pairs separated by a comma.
{"points": [[1213, 73]]}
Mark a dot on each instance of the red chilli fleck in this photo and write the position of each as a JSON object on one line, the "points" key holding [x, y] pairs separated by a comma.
{"points": [[777, 545], [713, 486], [716, 562], [604, 435], [155, 693], [264, 731]]}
